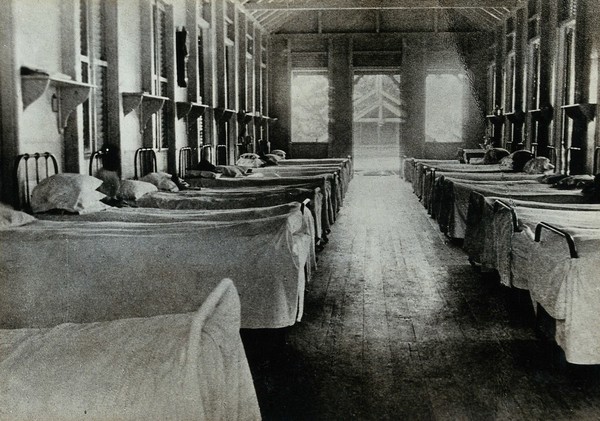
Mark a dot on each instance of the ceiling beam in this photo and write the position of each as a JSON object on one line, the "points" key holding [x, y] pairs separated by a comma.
{"points": [[482, 22], [380, 4]]}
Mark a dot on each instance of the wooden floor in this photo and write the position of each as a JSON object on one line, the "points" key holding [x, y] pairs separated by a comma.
{"points": [[397, 325]]}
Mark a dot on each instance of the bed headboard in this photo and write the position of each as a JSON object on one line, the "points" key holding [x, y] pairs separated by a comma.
{"points": [[144, 162], [206, 152], [34, 167], [187, 158], [98, 160]]}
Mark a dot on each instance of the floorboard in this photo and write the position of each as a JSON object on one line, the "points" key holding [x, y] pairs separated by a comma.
{"points": [[398, 325]]}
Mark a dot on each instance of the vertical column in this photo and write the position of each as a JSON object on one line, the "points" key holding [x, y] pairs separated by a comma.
{"points": [[280, 93], [340, 98], [413, 86], [10, 99]]}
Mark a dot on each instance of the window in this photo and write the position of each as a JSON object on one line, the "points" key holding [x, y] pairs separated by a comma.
{"points": [[491, 87], [509, 83], [261, 85], [567, 9], [444, 105], [535, 75], [201, 82], [310, 106], [94, 65], [159, 72]]}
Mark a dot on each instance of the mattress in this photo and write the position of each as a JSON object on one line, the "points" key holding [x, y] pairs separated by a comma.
{"points": [[216, 199], [454, 197], [431, 178], [338, 184], [488, 236], [409, 166], [179, 366], [154, 262], [325, 182], [295, 170], [345, 163]]}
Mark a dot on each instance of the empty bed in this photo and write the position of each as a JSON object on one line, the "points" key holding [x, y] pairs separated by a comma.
{"points": [[180, 366], [160, 260]]}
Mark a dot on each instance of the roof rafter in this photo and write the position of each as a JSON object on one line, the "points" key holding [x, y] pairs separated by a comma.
{"points": [[381, 4], [482, 21]]}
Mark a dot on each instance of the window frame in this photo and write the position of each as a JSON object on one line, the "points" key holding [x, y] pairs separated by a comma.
{"points": [[159, 74], [92, 62]]}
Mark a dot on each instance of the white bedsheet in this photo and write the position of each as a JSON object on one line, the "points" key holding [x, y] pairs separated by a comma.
{"points": [[491, 238], [529, 190], [219, 199], [567, 288], [179, 367], [166, 264], [325, 182]]}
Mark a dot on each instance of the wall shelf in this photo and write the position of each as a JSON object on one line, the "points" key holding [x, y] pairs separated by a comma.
{"points": [[145, 103], [516, 117], [543, 114], [585, 112], [245, 117], [223, 114], [69, 93], [192, 111], [496, 119], [268, 120]]}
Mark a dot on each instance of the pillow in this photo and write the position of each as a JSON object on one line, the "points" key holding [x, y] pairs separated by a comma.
{"points": [[515, 161], [70, 192], [95, 202], [249, 160], [279, 153], [494, 155], [231, 170], [574, 182], [12, 218], [201, 174], [134, 189], [538, 165], [167, 185], [110, 182], [155, 177], [271, 160]]}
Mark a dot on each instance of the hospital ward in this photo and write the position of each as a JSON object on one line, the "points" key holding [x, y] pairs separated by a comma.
{"points": [[240, 210]]}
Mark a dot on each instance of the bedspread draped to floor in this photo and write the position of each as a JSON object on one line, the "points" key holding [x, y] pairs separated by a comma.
{"points": [[166, 264], [181, 367]]}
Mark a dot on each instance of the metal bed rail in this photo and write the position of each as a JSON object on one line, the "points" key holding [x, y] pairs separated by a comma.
{"points": [[204, 149], [186, 159], [570, 242], [49, 161], [596, 168], [501, 204], [144, 162]]}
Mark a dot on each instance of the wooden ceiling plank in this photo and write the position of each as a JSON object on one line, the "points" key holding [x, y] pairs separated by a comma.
{"points": [[380, 4], [490, 13], [276, 20], [482, 22]]}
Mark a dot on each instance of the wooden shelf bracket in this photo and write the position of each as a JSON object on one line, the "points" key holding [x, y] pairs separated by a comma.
{"points": [[69, 93], [145, 103]]}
